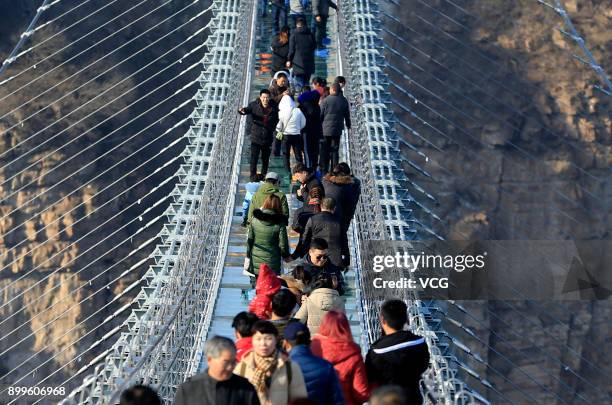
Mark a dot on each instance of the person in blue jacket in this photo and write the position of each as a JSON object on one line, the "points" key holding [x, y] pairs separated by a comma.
{"points": [[322, 381], [251, 188]]}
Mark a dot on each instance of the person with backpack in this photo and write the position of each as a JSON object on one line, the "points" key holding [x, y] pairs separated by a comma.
{"points": [[289, 129], [269, 186], [276, 379]]}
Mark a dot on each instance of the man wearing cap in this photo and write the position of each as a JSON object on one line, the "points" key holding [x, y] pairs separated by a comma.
{"points": [[270, 186], [320, 376]]}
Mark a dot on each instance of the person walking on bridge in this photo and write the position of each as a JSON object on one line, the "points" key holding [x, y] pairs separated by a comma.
{"points": [[290, 124], [302, 53], [263, 117], [335, 113], [276, 379], [399, 357], [218, 384], [269, 186], [320, 9], [267, 239]]}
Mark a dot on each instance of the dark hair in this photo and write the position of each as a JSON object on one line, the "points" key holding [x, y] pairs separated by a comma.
{"points": [[301, 274], [299, 168], [139, 395], [283, 35], [319, 81], [339, 80], [257, 177], [322, 280], [328, 203], [243, 323], [319, 244], [301, 401], [300, 22], [280, 75], [265, 328], [336, 88], [305, 89], [272, 202], [342, 168], [264, 91], [389, 395], [395, 313], [283, 303]]}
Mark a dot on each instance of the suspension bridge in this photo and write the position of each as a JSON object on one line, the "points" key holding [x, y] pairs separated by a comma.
{"points": [[193, 284]]}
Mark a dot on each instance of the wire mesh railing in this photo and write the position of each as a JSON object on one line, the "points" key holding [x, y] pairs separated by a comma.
{"points": [[384, 213], [165, 329]]}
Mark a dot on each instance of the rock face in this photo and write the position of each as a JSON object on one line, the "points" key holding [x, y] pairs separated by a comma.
{"points": [[80, 138], [519, 143]]}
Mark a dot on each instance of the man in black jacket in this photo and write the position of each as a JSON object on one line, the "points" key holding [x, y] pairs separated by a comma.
{"points": [[279, 88], [307, 181], [335, 112], [302, 53], [317, 261], [218, 385], [399, 357], [263, 117], [326, 226], [340, 185]]}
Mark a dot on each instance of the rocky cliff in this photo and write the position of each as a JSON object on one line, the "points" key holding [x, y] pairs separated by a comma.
{"points": [[519, 142], [80, 130]]}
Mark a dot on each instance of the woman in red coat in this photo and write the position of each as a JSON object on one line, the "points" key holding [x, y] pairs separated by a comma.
{"points": [[267, 285], [334, 342]]}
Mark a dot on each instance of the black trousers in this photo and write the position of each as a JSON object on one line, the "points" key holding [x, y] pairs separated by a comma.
{"points": [[330, 146], [295, 142], [320, 31], [311, 150], [256, 150]]}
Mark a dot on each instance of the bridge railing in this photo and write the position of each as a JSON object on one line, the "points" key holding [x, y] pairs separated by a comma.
{"points": [[161, 344], [383, 214]]}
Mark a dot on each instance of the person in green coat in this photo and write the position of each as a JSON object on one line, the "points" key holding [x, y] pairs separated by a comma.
{"points": [[269, 187], [267, 241]]}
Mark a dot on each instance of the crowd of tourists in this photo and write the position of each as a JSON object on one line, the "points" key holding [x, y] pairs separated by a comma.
{"points": [[294, 345]]}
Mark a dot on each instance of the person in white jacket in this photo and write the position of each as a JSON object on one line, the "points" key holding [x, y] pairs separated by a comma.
{"points": [[291, 121]]}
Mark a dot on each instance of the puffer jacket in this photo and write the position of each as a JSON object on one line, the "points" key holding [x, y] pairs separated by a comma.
{"points": [[281, 390], [348, 362], [260, 196], [321, 379], [267, 241], [291, 120], [243, 346], [302, 48], [318, 303], [345, 191], [335, 112], [267, 285]]}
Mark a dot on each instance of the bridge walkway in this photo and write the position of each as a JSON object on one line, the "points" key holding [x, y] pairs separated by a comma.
{"points": [[234, 291]]}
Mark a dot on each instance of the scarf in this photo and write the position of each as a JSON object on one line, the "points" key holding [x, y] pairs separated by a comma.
{"points": [[262, 375]]}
